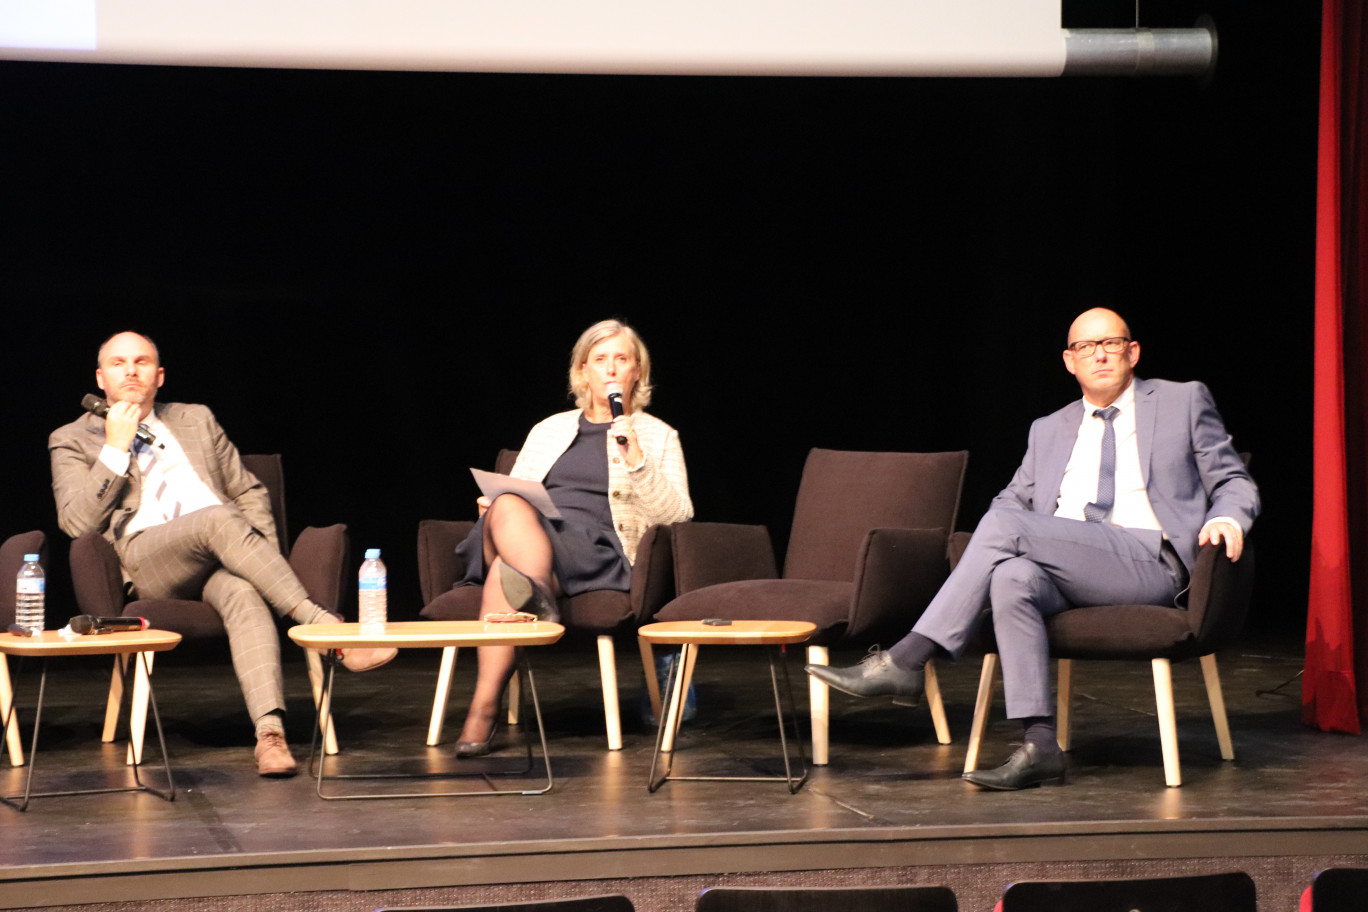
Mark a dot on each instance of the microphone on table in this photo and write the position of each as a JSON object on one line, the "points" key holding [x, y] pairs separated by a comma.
{"points": [[614, 391], [99, 408], [89, 623]]}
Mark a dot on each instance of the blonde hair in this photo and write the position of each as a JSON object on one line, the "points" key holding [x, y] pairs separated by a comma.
{"points": [[579, 356]]}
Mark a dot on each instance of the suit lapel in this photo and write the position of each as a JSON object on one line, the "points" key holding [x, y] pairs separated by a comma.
{"points": [[1146, 413], [1060, 444], [189, 437]]}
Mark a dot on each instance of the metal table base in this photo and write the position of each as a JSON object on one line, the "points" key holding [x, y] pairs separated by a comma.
{"points": [[673, 714], [318, 759], [14, 801]]}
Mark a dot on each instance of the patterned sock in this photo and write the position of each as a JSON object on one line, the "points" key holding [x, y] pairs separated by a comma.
{"points": [[273, 721], [310, 612]]}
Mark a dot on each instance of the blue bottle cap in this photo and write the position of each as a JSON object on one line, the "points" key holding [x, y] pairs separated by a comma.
{"points": [[371, 553], [34, 558]]}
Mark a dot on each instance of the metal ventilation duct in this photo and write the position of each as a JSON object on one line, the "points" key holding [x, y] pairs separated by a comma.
{"points": [[1140, 52]]}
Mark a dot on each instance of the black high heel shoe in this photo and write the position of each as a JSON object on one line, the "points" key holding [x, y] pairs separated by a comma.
{"points": [[465, 750]]}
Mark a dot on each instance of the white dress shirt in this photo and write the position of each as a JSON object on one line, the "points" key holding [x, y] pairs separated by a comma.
{"points": [[174, 467], [1131, 507]]}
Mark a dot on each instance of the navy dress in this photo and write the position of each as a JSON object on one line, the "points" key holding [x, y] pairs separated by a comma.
{"points": [[587, 552]]}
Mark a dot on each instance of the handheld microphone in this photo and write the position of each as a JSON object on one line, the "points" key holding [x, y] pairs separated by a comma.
{"points": [[614, 391], [89, 623], [99, 408]]}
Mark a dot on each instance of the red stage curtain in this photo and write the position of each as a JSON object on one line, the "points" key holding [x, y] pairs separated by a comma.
{"points": [[1337, 617]]}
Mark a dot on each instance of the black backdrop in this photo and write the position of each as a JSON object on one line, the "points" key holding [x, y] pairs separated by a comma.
{"points": [[381, 274]]}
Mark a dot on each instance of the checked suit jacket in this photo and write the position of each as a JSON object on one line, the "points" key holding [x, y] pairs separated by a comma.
{"points": [[91, 497]]}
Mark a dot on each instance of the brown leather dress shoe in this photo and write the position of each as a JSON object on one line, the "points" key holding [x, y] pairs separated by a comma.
{"points": [[273, 756], [359, 659]]}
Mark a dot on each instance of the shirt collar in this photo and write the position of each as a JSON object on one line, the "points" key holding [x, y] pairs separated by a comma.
{"points": [[1124, 402]]}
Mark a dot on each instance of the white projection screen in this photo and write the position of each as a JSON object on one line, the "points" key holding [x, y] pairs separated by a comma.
{"points": [[799, 37]]}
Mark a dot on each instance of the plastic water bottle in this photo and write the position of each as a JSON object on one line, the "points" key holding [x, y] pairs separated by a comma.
{"points": [[29, 594], [371, 595]]}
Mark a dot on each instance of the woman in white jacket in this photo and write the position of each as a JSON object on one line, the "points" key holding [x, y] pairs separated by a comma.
{"points": [[611, 478]]}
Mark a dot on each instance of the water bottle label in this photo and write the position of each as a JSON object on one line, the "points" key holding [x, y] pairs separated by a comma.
{"points": [[31, 586], [373, 582]]}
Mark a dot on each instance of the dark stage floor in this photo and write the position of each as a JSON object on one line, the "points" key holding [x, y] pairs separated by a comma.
{"points": [[891, 795]]}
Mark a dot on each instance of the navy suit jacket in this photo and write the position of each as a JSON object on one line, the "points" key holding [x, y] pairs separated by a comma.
{"points": [[1191, 471]]}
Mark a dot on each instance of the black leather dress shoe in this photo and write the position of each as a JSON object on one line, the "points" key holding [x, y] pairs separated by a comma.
{"points": [[875, 676], [1029, 766]]}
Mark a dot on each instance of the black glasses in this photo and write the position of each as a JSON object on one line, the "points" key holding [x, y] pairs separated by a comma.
{"points": [[1113, 346]]}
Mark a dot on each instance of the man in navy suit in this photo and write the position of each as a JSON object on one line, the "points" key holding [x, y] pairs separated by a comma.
{"points": [[1116, 493]]}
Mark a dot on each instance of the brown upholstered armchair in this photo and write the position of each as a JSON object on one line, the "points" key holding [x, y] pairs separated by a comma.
{"points": [[319, 558], [11, 559], [603, 614], [866, 554], [1218, 600]]}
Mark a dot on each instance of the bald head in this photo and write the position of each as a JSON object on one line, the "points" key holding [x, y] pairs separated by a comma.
{"points": [[1102, 374], [129, 370], [1098, 323], [130, 337]]}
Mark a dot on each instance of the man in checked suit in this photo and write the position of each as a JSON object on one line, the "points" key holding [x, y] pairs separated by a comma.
{"points": [[1114, 496], [187, 521]]}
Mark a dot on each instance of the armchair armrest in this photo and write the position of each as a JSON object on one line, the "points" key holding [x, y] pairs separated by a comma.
{"points": [[319, 558], [96, 576], [706, 554], [955, 550], [438, 566], [1219, 594], [897, 574], [653, 577]]}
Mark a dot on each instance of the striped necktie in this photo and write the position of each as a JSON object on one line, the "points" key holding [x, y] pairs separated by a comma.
{"points": [[155, 479]]}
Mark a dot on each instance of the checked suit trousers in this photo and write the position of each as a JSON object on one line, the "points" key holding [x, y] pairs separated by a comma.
{"points": [[215, 555]]}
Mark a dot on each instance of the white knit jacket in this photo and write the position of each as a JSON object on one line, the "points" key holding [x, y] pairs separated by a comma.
{"points": [[657, 491]]}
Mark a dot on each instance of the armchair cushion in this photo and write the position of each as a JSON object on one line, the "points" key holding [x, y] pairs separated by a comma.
{"points": [[460, 604], [1218, 600], [822, 602], [192, 620], [601, 611], [1121, 632], [706, 554]]}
